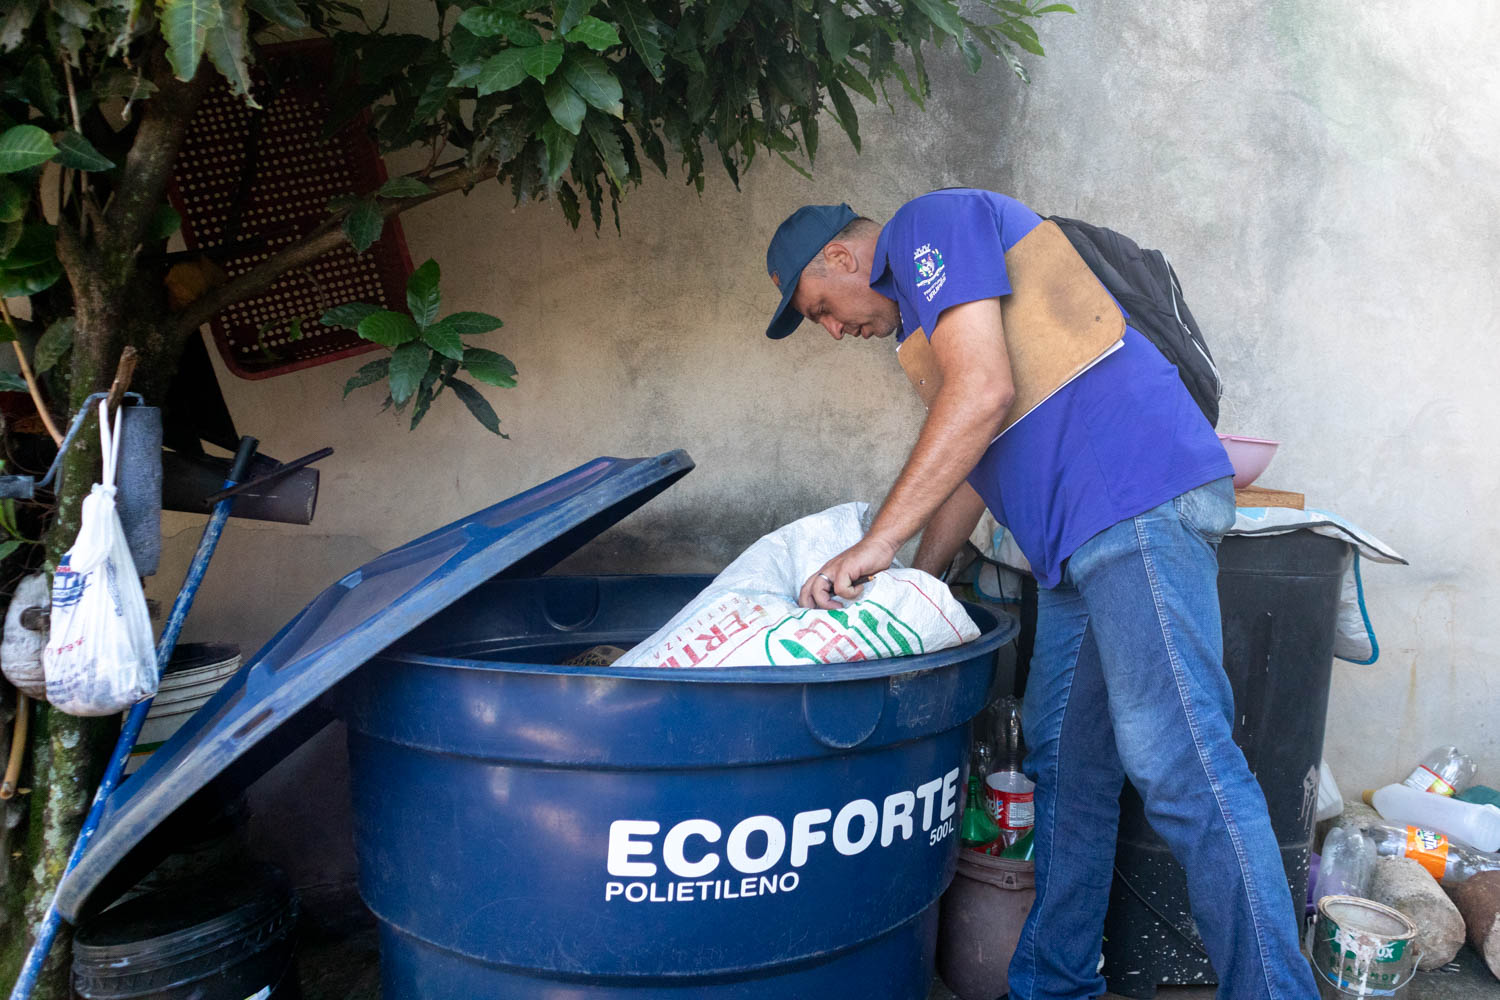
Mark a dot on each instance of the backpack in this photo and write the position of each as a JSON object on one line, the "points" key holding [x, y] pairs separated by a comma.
{"points": [[1146, 287]]}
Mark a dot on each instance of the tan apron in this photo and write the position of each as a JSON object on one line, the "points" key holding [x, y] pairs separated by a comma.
{"points": [[1058, 321]]}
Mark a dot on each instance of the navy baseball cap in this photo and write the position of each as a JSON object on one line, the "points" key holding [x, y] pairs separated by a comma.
{"points": [[797, 241]]}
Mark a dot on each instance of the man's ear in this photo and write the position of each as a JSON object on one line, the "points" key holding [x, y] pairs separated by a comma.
{"points": [[840, 257]]}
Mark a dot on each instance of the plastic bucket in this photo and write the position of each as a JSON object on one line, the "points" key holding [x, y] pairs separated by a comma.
{"points": [[1362, 949], [532, 830], [982, 914], [196, 672], [223, 939]]}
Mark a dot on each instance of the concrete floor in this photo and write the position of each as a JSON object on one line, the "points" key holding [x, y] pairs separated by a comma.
{"points": [[342, 962]]}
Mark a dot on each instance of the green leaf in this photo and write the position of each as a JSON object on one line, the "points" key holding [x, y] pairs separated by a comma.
{"points": [[228, 44], [294, 329], [594, 33], [121, 83], [388, 328], [444, 340], [837, 29], [722, 16], [53, 344], [7, 547], [13, 199], [38, 244], [349, 315], [567, 107], [541, 60], [640, 28], [944, 14], [572, 14], [363, 225], [590, 76], [973, 58], [283, 12], [408, 365], [404, 187], [468, 324], [164, 222], [185, 24], [11, 382], [477, 404], [10, 236], [856, 82], [843, 111], [1023, 35], [23, 147], [501, 71], [610, 154], [367, 375], [560, 143], [30, 280], [487, 22], [490, 368], [567, 199], [39, 88], [424, 293], [73, 150], [1056, 8]]}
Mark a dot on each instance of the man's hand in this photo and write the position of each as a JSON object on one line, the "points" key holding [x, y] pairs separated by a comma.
{"points": [[844, 574]]}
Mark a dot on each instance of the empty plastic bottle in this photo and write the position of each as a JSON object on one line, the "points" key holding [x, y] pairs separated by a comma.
{"points": [[1444, 771], [1465, 822], [1447, 862], [977, 831], [1347, 862], [1010, 794]]}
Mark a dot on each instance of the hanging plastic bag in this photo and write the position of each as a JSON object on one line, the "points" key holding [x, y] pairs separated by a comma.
{"points": [[99, 659], [21, 648]]}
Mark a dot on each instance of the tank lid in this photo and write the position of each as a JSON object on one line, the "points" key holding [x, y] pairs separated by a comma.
{"points": [[268, 708]]}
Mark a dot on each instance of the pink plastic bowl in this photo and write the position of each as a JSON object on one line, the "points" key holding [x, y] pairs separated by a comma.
{"points": [[1249, 456]]}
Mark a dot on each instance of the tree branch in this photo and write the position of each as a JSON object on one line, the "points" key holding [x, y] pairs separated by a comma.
{"points": [[325, 237], [148, 165]]}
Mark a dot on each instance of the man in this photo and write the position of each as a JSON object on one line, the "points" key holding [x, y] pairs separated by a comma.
{"points": [[1118, 491]]}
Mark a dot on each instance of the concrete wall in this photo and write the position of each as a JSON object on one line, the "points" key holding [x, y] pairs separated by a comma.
{"points": [[1323, 174]]}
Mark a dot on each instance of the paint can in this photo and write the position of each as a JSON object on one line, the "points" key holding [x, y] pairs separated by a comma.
{"points": [[1362, 949]]}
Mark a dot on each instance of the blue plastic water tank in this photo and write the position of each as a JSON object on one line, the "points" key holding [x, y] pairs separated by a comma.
{"points": [[527, 829], [530, 830]]}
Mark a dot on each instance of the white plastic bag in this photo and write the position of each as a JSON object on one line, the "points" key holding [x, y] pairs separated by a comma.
{"points": [[99, 659], [749, 615]]}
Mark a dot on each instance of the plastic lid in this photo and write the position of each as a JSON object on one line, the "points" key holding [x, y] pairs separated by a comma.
{"points": [[273, 695]]}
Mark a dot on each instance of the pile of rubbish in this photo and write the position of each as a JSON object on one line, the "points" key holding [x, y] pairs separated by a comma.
{"points": [[1428, 848], [1000, 811]]}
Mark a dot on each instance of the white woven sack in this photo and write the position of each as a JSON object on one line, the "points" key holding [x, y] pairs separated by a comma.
{"points": [[749, 615], [21, 648], [99, 658]]}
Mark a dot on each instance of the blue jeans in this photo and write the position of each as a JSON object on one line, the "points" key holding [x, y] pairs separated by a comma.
{"points": [[1127, 679]]}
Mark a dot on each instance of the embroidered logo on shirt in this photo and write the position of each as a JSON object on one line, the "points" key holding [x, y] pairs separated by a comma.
{"points": [[930, 272]]}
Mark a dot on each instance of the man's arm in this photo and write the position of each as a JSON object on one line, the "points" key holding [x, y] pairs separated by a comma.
{"points": [[969, 342], [949, 528]]}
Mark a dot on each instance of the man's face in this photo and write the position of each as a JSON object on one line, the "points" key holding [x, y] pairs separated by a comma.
{"points": [[841, 301]]}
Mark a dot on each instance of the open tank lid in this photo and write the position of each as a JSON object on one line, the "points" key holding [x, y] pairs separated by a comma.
{"points": [[268, 705]]}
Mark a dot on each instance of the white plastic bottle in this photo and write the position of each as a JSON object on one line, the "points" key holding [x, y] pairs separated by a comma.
{"points": [[1444, 771], [1465, 822]]}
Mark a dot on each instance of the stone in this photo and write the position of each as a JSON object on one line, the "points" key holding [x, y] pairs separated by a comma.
{"points": [[1404, 885], [1478, 899]]}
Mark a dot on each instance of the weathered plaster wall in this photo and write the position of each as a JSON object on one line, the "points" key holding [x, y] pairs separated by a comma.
{"points": [[1326, 177]]}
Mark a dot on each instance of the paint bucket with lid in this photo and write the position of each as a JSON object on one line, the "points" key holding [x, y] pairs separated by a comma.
{"points": [[1362, 949]]}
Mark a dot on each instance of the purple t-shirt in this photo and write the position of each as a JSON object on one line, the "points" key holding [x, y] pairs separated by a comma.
{"points": [[1118, 440]]}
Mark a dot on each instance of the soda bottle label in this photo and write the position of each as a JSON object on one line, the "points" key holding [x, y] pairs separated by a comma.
{"points": [[1012, 810], [1425, 779], [1429, 848]]}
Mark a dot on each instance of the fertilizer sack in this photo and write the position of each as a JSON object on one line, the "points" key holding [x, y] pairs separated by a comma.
{"points": [[749, 615], [99, 658]]}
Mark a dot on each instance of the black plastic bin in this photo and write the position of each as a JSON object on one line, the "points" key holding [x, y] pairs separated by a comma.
{"points": [[1279, 598], [219, 938]]}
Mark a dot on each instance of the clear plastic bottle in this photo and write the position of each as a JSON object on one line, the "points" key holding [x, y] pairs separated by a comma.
{"points": [[1443, 771], [1465, 822], [1346, 864], [1447, 862], [1010, 793]]}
